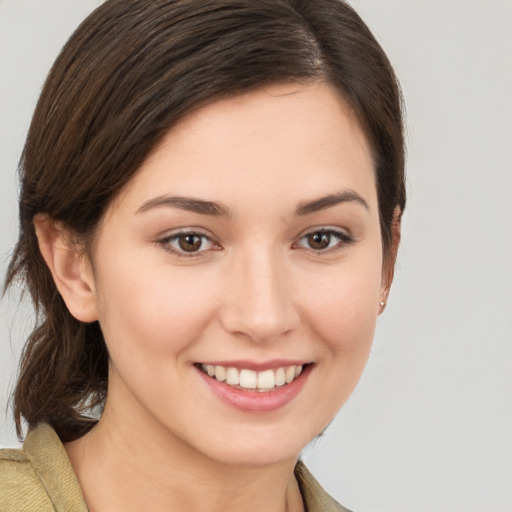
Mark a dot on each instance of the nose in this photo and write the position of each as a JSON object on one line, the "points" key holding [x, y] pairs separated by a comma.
{"points": [[258, 301]]}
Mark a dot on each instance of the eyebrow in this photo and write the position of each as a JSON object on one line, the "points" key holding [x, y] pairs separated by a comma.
{"points": [[187, 203], [217, 209], [347, 196]]}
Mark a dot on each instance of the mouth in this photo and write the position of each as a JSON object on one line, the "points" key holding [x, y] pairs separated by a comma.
{"points": [[252, 380], [253, 387]]}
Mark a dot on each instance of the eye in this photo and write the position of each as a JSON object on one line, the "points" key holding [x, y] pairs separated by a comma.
{"points": [[188, 243], [323, 240]]}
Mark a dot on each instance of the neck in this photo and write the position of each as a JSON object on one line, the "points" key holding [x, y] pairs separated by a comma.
{"points": [[127, 463]]}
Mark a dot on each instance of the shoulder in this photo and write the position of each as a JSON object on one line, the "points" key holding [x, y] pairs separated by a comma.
{"points": [[314, 496], [39, 477], [21, 488]]}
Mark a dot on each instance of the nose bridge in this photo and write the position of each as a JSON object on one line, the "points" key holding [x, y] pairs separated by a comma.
{"points": [[259, 301]]}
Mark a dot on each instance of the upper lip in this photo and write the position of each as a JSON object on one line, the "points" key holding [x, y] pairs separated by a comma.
{"points": [[257, 366]]}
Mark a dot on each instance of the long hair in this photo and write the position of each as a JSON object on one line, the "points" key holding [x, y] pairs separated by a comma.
{"points": [[128, 74]]}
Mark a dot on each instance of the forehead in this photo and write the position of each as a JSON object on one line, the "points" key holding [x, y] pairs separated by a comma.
{"points": [[278, 142]]}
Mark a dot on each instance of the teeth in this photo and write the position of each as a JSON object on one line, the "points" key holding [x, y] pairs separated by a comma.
{"points": [[249, 379], [220, 373], [280, 377], [232, 377], [266, 379]]}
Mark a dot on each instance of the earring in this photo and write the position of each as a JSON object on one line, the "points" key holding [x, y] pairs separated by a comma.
{"points": [[382, 304]]}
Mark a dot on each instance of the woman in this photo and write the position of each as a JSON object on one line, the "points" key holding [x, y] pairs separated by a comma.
{"points": [[210, 214]]}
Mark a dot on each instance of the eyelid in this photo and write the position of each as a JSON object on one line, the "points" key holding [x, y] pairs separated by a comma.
{"points": [[165, 240], [343, 237]]}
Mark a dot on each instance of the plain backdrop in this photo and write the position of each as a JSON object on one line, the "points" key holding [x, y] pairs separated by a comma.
{"points": [[429, 427]]}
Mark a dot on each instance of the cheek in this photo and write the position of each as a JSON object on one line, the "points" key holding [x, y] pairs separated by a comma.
{"points": [[343, 316], [344, 311], [153, 312]]}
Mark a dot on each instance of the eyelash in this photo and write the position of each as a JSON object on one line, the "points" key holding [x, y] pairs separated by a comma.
{"points": [[167, 240], [342, 237]]}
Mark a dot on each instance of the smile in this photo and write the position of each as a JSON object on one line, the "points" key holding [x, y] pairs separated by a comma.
{"points": [[245, 378]]}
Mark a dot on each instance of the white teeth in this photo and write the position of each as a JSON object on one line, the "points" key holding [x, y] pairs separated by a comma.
{"points": [[250, 379], [290, 374], [220, 373], [232, 377], [266, 379], [280, 377]]}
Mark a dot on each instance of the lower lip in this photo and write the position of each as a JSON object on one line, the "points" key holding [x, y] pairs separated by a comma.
{"points": [[257, 401]]}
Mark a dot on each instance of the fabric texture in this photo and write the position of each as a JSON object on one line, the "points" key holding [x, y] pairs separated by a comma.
{"points": [[40, 478]]}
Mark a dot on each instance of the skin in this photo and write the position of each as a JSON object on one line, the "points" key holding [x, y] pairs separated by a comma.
{"points": [[255, 290]]}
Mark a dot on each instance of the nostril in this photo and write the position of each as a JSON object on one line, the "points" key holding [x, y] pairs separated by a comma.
{"points": [[258, 300], [257, 324]]}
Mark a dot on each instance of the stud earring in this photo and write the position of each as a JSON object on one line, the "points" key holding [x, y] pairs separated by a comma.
{"points": [[382, 304]]}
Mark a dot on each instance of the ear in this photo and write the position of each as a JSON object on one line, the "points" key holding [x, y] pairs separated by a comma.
{"points": [[70, 269], [388, 270]]}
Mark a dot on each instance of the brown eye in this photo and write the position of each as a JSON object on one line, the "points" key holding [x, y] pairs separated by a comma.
{"points": [[190, 242], [187, 244], [324, 240], [319, 240]]}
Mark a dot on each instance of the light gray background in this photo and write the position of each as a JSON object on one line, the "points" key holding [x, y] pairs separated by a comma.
{"points": [[429, 428]]}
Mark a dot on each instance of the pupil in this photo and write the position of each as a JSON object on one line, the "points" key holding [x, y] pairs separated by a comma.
{"points": [[190, 243], [319, 240]]}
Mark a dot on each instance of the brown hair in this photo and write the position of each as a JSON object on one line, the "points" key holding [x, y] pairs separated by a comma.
{"points": [[130, 71]]}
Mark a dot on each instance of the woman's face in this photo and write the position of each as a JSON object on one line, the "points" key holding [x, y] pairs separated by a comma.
{"points": [[247, 247]]}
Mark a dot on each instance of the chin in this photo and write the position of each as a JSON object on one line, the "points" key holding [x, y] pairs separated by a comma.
{"points": [[262, 446]]}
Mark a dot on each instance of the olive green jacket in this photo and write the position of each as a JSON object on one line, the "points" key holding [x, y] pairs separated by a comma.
{"points": [[40, 478]]}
